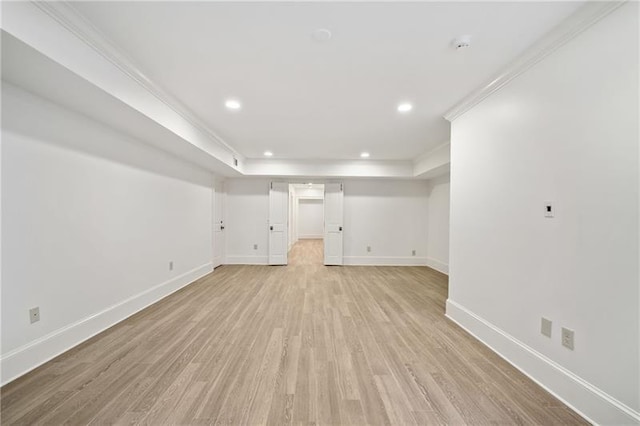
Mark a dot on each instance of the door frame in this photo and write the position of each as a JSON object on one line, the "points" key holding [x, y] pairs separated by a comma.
{"points": [[339, 225], [221, 196], [278, 226]]}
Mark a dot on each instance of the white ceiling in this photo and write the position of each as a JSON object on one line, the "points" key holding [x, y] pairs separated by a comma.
{"points": [[303, 99]]}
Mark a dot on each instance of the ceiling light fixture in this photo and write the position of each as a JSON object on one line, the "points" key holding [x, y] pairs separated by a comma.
{"points": [[232, 104], [364, 155], [268, 154], [405, 107]]}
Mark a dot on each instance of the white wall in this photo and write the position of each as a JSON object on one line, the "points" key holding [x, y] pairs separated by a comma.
{"points": [[310, 218], [91, 220], [565, 131], [247, 221], [388, 215], [438, 223], [309, 192]]}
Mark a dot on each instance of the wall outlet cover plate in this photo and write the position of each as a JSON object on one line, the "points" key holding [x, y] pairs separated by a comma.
{"points": [[546, 326]]}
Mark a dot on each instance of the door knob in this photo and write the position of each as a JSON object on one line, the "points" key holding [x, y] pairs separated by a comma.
{"points": [[340, 229], [221, 228], [271, 228]]}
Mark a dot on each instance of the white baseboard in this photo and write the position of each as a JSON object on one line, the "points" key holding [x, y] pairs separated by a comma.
{"points": [[311, 237], [384, 261], [21, 360], [247, 260], [586, 399], [438, 266]]}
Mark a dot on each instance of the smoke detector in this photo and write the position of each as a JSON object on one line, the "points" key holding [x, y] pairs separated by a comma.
{"points": [[321, 35], [461, 42]]}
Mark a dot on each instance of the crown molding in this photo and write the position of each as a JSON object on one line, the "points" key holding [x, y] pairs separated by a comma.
{"points": [[583, 18], [72, 20]]}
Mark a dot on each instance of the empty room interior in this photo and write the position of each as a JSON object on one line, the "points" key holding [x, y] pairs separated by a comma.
{"points": [[320, 212]]}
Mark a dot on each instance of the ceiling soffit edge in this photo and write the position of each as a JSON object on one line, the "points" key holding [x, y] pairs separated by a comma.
{"points": [[582, 19], [67, 16], [430, 152]]}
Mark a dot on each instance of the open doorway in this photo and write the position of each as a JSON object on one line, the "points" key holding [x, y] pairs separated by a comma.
{"points": [[306, 224]]}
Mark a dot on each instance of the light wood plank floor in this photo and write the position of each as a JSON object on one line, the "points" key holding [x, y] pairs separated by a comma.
{"points": [[280, 345], [307, 252]]}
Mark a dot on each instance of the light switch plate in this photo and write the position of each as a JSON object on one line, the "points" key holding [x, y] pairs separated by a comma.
{"points": [[567, 338]]}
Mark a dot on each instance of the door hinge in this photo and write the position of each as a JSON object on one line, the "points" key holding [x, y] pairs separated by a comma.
{"points": [[271, 185]]}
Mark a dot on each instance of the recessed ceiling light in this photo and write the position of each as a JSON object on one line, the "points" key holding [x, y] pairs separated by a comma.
{"points": [[268, 154], [364, 155], [321, 34], [232, 104], [405, 107]]}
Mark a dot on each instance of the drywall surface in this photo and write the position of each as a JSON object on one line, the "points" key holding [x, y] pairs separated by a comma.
{"points": [[247, 221], [390, 216], [309, 192], [566, 131], [310, 218], [438, 223], [91, 220]]}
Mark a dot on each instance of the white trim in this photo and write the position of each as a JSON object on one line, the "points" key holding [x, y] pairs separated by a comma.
{"points": [[247, 260], [329, 169], [589, 401], [582, 19], [21, 360], [311, 237], [384, 261], [425, 155], [438, 265], [68, 16]]}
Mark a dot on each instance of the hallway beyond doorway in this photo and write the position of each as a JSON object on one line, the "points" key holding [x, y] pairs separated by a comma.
{"points": [[307, 252]]}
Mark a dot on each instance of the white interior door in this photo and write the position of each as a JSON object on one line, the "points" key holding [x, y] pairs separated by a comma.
{"points": [[278, 213], [218, 224], [333, 207]]}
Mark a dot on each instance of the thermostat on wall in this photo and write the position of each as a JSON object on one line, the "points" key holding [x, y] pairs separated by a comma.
{"points": [[548, 209]]}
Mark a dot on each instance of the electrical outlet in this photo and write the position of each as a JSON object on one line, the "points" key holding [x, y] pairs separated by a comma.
{"points": [[171, 266], [413, 252], [368, 249], [255, 247], [34, 314], [545, 326], [567, 338]]}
